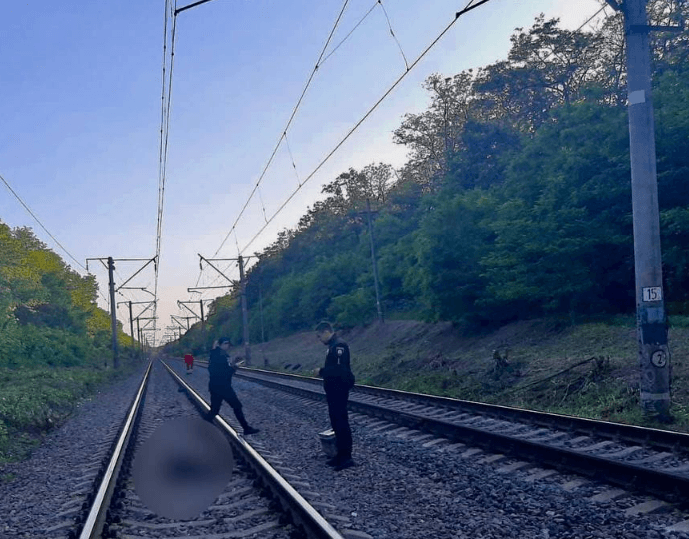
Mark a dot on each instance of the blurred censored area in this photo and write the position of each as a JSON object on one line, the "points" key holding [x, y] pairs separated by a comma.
{"points": [[182, 468]]}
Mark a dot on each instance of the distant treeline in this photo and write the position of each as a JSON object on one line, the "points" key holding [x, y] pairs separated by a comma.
{"points": [[515, 201], [48, 312]]}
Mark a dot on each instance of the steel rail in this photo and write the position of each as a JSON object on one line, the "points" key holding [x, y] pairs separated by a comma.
{"points": [[95, 520], [660, 483], [651, 437], [302, 513]]}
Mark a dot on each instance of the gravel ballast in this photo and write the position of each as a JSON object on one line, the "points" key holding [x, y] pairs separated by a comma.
{"points": [[37, 497], [399, 488]]}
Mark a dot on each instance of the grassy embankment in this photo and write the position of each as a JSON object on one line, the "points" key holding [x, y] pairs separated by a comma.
{"points": [[547, 367], [34, 401], [547, 370]]}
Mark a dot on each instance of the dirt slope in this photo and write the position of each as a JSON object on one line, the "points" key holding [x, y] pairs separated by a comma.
{"points": [[406, 346], [439, 359]]}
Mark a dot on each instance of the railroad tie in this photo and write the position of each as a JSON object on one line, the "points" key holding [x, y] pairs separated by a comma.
{"points": [[624, 452], [647, 507], [539, 474], [682, 526], [514, 466], [608, 495], [569, 486]]}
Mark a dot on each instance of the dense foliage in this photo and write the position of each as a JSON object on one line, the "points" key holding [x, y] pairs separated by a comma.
{"points": [[48, 312], [515, 201], [54, 341]]}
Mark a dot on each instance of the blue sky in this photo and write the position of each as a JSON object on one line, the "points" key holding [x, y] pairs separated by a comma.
{"points": [[80, 106]]}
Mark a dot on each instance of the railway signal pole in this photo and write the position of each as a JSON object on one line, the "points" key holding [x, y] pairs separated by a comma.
{"points": [[652, 328]]}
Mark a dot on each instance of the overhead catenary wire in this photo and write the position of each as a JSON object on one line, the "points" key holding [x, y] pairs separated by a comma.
{"points": [[289, 122], [263, 206], [283, 136], [471, 6], [325, 58], [166, 105], [165, 145], [26, 207], [591, 17], [392, 33], [294, 165]]}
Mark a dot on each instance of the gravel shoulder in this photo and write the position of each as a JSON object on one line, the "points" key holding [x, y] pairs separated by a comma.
{"points": [[35, 498], [401, 489]]}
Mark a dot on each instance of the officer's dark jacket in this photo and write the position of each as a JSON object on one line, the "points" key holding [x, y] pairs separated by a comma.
{"points": [[337, 369], [219, 370]]}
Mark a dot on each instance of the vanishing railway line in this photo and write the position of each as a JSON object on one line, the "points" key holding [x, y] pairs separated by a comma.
{"points": [[642, 459], [257, 501], [426, 467]]}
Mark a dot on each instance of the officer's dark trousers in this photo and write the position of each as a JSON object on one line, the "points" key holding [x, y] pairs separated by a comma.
{"points": [[337, 396], [226, 393]]}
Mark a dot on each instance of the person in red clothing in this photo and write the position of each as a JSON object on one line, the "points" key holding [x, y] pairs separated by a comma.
{"points": [[189, 360]]}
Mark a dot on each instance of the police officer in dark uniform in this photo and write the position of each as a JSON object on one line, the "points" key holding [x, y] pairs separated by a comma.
{"points": [[337, 381], [220, 385]]}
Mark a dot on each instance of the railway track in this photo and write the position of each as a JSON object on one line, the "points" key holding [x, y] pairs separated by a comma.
{"points": [[634, 458], [257, 502], [411, 480]]}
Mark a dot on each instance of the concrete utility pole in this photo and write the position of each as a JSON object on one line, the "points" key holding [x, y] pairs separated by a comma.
{"points": [[142, 336], [245, 312], [373, 261], [131, 323], [187, 318], [113, 314], [260, 310], [113, 306], [175, 330], [138, 338], [196, 316], [652, 330], [242, 288], [148, 304]]}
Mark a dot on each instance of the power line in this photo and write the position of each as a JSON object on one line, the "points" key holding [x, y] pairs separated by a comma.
{"points": [[392, 33], [375, 3], [294, 166], [39, 222], [26, 207], [468, 8], [283, 136], [166, 104], [591, 17], [289, 122]]}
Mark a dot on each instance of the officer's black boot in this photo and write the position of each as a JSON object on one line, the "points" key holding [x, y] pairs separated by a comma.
{"points": [[242, 421]]}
